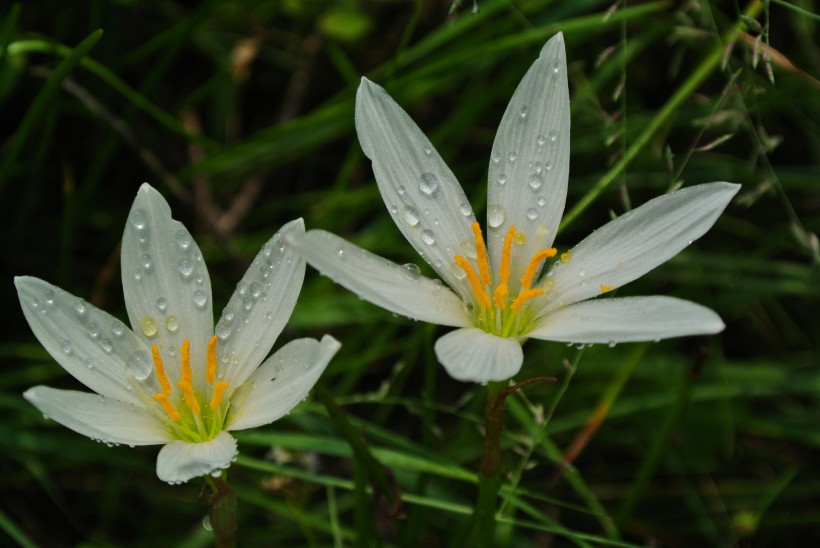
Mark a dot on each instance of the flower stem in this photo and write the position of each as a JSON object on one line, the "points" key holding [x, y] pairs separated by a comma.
{"points": [[221, 510]]}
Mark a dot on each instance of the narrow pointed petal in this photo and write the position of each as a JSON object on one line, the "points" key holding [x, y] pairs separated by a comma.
{"points": [[281, 382], [422, 194], [261, 305], [180, 461], [94, 347], [638, 241], [628, 319], [382, 282], [473, 355], [529, 164], [98, 417], [165, 281]]}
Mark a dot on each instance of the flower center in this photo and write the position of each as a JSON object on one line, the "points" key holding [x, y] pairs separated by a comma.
{"points": [[189, 420], [502, 314]]}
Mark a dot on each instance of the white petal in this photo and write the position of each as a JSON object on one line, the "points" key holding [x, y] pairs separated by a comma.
{"points": [[94, 347], [261, 305], [165, 280], [627, 320], [531, 155], [382, 282], [180, 461], [638, 241], [422, 194], [281, 382], [474, 355], [98, 417]]}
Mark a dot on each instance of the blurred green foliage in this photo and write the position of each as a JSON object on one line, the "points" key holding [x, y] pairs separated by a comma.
{"points": [[241, 113]]}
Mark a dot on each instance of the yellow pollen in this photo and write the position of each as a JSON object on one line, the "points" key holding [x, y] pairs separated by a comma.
{"points": [[529, 274], [606, 289], [219, 389], [210, 363], [481, 254], [566, 256], [161, 376], [475, 283], [504, 269], [524, 296], [162, 398], [500, 293], [190, 397], [187, 375]]}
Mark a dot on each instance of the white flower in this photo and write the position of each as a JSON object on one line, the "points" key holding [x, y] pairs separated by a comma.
{"points": [[496, 296], [174, 379]]}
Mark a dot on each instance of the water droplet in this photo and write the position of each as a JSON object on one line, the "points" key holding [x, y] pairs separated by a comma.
{"points": [[496, 157], [566, 256], [247, 303], [495, 215], [465, 208], [185, 267], [140, 363], [535, 181], [540, 140], [394, 210], [537, 166], [522, 113], [48, 294], [65, 346], [79, 307], [468, 247], [512, 157], [268, 316], [138, 219], [145, 261], [428, 150], [200, 298], [519, 238], [89, 363], [228, 314], [532, 214], [340, 252], [223, 329], [428, 184], [162, 304], [410, 215], [502, 179], [428, 237], [553, 135], [548, 166], [183, 239], [199, 279], [611, 344], [93, 330], [401, 190], [148, 326], [106, 345], [542, 201], [556, 65], [117, 328], [137, 274], [582, 272], [255, 289], [172, 323], [411, 271]]}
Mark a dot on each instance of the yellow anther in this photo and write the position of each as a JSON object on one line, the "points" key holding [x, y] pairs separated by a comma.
{"points": [[219, 389], [504, 269], [162, 398], [566, 256], [210, 363], [481, 254], [529, 274], [161, 376], [190, 397], [524, 296], [606, 288], [475, 283], [187, 375], [500, 294]]}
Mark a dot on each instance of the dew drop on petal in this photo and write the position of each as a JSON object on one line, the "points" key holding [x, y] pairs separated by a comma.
{"points": [[522, 112], [223, 329], [428, 237], [394, 210], [495, 215], [468, 248], [556, 65], [145, 261], [140, 363], [465, 209], [172, 323], [512, 157], [79, 307], [540, 140], [582, 272], [137, 274], [553, 135], [117, 328], [542, 201], [65, 346], [502, 179], [162, 304], [183, 239], [532, 214], [401, 190], [535, 181], [411, 271], [185, 268], [200, 298], [93, 330], [428, 184], [428, 150], [48, 295], [496, 157], [148, 326], [138, 219], [410, 215], [106, 345]]}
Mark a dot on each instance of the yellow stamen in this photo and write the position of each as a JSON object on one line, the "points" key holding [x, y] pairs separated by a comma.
{"points": [[606, 288], [500, 293], [187, 375], [475, 283], [190, 397], [161, 376], [525, 295], [210, 363], [529, 274], [219, 389], [162, 398], [504, 269], [481, 254]]}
